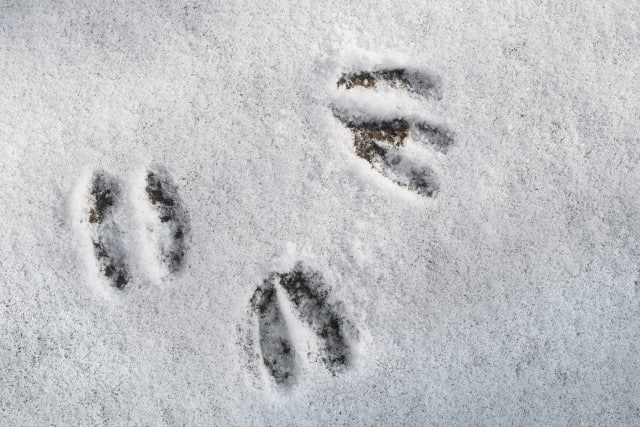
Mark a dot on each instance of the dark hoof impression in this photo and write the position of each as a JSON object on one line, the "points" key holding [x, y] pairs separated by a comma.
{"points": [[163, 195], [381, 142], [415, 81], [105, 192], [309, 299], [275, 343]]}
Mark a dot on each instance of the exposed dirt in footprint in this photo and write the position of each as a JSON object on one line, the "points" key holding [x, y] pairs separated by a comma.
{"points": [[163, 195], [105, 190], [310, 298], [419, 82], [367, 136], [276, 350], [310, 302], [102, 192], [382, 142]]}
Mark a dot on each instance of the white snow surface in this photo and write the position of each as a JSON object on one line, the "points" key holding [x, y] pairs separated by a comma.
{"points": [[511, 297]]}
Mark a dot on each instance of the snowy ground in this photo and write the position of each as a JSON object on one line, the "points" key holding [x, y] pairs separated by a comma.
{"points": [[511, 296]]}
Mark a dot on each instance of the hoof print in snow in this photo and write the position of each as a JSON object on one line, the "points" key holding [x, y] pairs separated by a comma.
{"points": [[275, 343], [310, 304], [171, 226], [437, 137], [309, 297], [104, 195], [419, 82], [382, 142], [103, 219]]}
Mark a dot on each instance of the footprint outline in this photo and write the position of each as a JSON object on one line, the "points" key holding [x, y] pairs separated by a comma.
{"points": [[381, 140], [102, 202], [309, 299]]}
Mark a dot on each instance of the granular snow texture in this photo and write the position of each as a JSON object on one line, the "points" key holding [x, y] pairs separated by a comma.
{"points": [[319, 213]]}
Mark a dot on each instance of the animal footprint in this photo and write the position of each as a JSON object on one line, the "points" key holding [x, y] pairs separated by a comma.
{"points": [[102, 216], [416, 81], [104, 234], [275, 343], [382, 141], [307, 297], [306, 291], [170, 224]]}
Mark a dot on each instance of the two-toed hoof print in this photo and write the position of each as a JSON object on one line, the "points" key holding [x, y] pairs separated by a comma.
{"points": [[104, 216], [383, 139], [299, 294]]}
